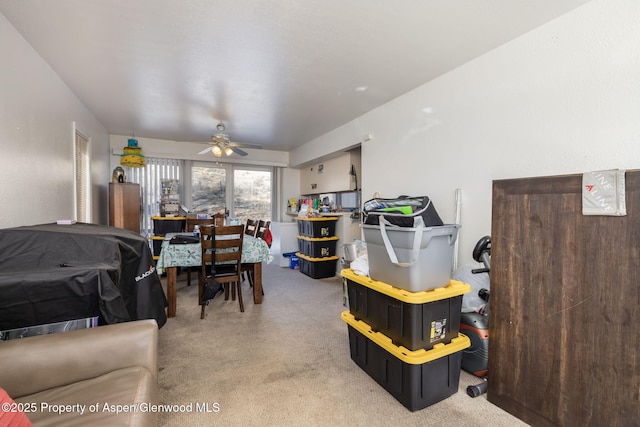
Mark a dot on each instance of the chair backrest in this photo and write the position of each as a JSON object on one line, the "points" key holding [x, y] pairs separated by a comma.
{"points": [[191, 223], [221, 244], [218, 219], [263, 227], [251, 228]]}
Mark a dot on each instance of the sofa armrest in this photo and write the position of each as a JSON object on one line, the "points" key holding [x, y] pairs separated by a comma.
{"points": [[38, 363]]}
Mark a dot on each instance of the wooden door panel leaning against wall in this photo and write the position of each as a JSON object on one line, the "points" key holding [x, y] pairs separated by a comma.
{"points": [[565, 298]]}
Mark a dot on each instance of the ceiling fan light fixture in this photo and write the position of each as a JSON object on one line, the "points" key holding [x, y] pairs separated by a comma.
{"points": [[221, 144]]}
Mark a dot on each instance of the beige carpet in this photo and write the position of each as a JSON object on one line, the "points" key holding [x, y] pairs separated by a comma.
{"points": [[285, 362]]}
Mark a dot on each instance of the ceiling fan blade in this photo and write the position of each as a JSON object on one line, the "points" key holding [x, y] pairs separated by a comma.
{"points": [[243, 145], [238, 151], [206, 150]]}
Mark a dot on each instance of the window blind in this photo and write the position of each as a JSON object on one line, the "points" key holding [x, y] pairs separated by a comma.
{"points": [[150, 179], [82, 178]]}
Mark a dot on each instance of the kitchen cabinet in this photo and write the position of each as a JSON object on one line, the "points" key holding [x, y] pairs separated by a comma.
{"points": [[125, 205], [332, 175]]}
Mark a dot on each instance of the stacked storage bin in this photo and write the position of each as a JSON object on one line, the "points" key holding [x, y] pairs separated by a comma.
{"points": [[405, 334], [317, 246], [163, 225]]}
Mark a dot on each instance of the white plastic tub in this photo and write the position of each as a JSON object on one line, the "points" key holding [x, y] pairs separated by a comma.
{"points": [[409, 261]]}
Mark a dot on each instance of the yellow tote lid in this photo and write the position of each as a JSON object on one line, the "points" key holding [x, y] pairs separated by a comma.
{"points": [[453, 289], [317, 239], [317, 218], [416, 357], [308, 258]]}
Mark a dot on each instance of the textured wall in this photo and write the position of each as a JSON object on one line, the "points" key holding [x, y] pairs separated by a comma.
{"points": [[564, 98], [37, 115]]}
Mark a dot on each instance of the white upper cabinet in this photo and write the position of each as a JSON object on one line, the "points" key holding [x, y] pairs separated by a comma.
{"points": [[331, 176]]}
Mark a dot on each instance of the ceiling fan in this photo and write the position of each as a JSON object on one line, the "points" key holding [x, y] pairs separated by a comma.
{"points": [[221, 143]]}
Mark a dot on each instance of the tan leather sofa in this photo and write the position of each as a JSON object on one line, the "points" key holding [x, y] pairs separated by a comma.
{"points": [[100, 376]]}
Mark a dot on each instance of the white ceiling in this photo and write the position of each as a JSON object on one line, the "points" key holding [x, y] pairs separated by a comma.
{"points": [[279, 73]]}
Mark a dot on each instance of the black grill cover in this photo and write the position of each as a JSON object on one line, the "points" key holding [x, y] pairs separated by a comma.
{"points": [[52, 273]]}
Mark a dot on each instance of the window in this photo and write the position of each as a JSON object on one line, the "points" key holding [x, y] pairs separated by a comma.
{"points": [[241, 191], [208, 189], [246, 192], [82, 181], [252, 194]]}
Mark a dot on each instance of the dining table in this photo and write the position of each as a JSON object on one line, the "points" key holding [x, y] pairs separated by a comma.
{"points": [[255, 251]]}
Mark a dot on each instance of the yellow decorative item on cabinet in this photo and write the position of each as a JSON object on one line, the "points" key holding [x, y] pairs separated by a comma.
{"points": [[132, 155]]}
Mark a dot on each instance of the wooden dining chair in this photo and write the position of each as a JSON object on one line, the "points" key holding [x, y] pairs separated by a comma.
{"points": [[221, 261], [251, 227], [262, 228], [218, 219], [190, 225]]}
